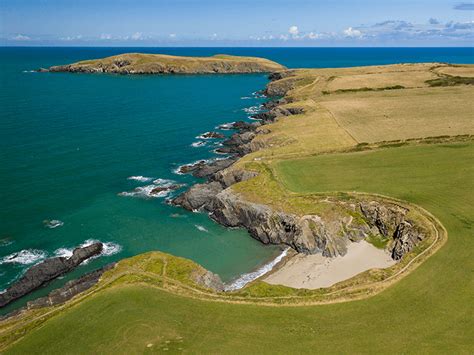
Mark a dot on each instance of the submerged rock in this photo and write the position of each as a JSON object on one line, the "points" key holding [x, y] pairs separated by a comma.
{"points": [[46, 271]]}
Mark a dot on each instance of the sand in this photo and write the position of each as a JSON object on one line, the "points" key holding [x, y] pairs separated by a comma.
{"points": [[316, 271]]}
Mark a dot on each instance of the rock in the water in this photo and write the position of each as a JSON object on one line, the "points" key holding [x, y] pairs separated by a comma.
{"points": [[48, 270], [211, 135]]}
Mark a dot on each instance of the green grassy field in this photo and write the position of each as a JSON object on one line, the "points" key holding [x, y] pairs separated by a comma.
{"points": [[430, 310]]}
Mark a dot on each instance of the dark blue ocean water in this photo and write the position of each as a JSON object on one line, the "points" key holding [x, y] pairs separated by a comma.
{"points": [[69, 143]]}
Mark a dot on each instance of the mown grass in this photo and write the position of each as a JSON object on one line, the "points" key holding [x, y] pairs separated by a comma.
{"points": [[430, 310]]}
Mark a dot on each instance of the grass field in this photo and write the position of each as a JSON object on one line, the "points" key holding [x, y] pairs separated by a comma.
{"points": [[429, 310]]}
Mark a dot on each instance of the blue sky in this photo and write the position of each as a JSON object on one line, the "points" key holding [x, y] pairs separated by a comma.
{"points": [[237, 23]]}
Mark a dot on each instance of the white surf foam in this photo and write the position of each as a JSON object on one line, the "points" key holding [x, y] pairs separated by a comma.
{"points": [[258, 95], [252, 110], [198, 144], [140, 178], [201, 228], [5, 242], [25, 257], [63, 252], [147, 190], [226, 126], [29, 71], [53, 223], [249, 277], [109, 248], [245, 98]]}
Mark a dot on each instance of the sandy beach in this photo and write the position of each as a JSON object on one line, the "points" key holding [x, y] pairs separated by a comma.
{"points": [[316, 271]]}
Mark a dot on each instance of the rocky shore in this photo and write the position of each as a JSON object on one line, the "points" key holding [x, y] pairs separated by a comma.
{"points": [[46, 271], [355, 220]]}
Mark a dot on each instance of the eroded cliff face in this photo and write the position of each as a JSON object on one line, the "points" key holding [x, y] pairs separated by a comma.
{"points": [[309, 234]]}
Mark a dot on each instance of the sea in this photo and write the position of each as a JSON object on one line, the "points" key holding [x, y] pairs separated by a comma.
{"points": [[80, 153]]}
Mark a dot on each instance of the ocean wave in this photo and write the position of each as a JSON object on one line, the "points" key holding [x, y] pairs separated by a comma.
{"points": [[29, 71], [5, 242], [63, 252], [198, 144], [252, 110], [246, 98], [258, 95], [226, 126], [109, 248], [159, 188], [249, 277], [140, 178], [25, 257], [53, 223], [201, 228]]}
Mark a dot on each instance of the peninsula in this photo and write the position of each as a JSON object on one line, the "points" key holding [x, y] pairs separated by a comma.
{"points": [[139, 63]]}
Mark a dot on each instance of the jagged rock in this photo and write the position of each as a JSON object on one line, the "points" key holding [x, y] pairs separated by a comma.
{"points": [[212, 135], [276, 112], [384, 218], [159, 189], [406, 237], [208, 169], [239, 139], [190, 168], [48, 270], [198, 196]]}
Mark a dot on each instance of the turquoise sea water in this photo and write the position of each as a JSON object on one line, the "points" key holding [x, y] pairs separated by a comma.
{"points": [[69, 143]]}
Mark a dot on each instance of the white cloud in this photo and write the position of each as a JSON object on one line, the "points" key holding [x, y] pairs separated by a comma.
{"points": [[284, 37], [71, 38], [293, 30], [105, 36], [351, 32], [172, 35], [137, 36], [313, 35], [20, 37]]}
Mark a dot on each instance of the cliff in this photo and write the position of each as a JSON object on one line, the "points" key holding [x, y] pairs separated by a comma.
{"points": [[139, 63]]}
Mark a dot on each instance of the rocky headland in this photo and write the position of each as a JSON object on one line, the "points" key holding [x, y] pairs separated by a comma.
{"points": [[351, 220], [140, 63]]}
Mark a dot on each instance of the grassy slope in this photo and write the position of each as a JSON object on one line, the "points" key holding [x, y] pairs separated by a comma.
{"points": [[429, 310]]}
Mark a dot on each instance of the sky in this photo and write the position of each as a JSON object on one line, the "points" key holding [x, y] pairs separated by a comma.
{"points": [[265, 23]]}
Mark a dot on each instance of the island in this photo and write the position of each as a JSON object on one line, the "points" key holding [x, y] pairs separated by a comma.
{"points": [[359, 174], [140, 63]]}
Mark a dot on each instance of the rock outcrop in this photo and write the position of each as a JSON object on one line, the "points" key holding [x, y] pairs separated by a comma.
{"points": [[46, 271], [140, 63], [406, 236]]}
